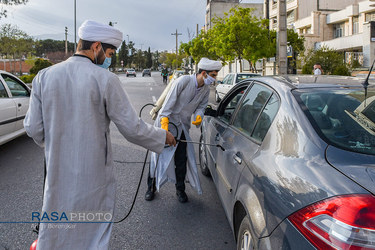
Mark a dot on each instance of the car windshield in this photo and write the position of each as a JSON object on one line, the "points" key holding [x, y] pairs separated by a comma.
{"points": [[343, 117], [241, 77]]}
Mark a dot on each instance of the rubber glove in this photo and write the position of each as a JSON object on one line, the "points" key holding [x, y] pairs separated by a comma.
{"points": [[198, 120], [164, 123]]}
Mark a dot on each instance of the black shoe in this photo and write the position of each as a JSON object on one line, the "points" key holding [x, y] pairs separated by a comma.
{"points": [[182, 197], [149, 196]]}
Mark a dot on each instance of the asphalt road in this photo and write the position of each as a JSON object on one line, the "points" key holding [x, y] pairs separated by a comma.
{"points": [[163, 223]]}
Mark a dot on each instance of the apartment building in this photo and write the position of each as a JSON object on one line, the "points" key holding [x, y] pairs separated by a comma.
{"points": [[343, 25]]}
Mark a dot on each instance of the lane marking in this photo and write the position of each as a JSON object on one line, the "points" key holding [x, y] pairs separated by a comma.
{"points": [[150, 88], [154, 99]]}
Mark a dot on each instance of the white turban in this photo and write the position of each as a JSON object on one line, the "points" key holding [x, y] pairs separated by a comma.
{"points": [[209, 65], [97, 32]]}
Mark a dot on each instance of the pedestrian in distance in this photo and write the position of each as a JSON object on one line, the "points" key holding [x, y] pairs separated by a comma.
{"points": [[318, 69], [187, 97], [164, 73], [72, 104]]}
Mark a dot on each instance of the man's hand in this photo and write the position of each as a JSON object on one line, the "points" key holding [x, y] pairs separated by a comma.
{"points": [[198, 120], [170, 140], [164, 121]]}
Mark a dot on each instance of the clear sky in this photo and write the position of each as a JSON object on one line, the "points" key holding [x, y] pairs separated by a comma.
{"points": [[148, 23]]}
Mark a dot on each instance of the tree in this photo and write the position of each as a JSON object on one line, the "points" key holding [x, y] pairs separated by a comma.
{"points": [[14, 42], [123, 53], [149, 58], [132, 52], [332, 62], [3, 12], [39, 65], [241, 35]]}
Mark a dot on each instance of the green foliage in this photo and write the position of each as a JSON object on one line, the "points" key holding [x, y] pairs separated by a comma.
{"points": [[123, 54], [43, 47], [241, 35], [27, 78], [14, 41], [39, 65], [341, 70], [149, 58], [332, 62]]}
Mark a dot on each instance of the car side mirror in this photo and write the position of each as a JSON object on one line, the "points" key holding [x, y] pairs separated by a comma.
{"points": [[210, 111], [219, 82]]}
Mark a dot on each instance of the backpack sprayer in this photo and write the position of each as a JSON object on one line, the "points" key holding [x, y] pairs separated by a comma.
{"points": [[36, 230]]}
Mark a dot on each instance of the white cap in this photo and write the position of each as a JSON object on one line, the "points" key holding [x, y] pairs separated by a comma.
{"points": [[209, 65], [96, 32]]}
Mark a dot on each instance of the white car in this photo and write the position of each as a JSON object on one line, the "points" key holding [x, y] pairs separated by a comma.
{"points": [[14, 103], [131, 72], [228, 82]]}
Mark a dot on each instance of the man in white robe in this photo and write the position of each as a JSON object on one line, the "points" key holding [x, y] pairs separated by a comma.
{"points": [[71, 106], [188, 96]]}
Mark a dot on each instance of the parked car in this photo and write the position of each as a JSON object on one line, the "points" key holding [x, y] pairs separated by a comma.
{"points": [[228, 82], [294, 165], [131, 72], [146, 72], [14, 103]]}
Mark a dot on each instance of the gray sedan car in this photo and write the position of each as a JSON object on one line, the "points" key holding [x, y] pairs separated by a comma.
{"points": [[294, 164]]}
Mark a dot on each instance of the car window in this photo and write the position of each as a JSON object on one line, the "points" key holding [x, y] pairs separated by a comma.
{"points": [[241, 77], [342, 117], [225, 79], [227, 110], [16, 88], [230, 79], [265, 119], [3, 92], [251, 107]]}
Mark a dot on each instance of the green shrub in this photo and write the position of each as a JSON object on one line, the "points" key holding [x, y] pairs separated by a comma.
{"points": [[27, 78], [39, 65], [341, 70]]}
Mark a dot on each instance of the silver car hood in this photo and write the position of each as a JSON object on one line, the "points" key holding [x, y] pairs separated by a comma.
{"points": [[358, 167]]}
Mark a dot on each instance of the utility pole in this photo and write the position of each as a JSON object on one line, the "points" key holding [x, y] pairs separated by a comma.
{"points": [[176, 34], [66, 40], [75, 27], [281, 38]]}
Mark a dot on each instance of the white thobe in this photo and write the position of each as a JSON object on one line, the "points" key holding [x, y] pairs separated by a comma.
{"points": [[182, 101], [71, 106]]}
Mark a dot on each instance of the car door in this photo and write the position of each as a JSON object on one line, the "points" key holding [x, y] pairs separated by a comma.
{"points": [[20, 95], [242, 139], [8, 112], [218, 126]]}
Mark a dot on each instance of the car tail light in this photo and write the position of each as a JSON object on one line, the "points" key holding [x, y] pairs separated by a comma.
{"points": [[342, 222]]}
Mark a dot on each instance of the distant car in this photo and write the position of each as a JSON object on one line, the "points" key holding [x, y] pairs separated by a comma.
{"points": [[131, 72], [146, 72], [176, 74], [228, 82], [14, 103], [294, 164]]}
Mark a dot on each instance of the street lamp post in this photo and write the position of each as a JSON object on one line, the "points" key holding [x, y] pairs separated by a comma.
{"points": [[75, 27]]}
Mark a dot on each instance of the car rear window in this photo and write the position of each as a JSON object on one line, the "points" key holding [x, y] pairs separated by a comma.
{"points": [[241, 77], [342, 117]]}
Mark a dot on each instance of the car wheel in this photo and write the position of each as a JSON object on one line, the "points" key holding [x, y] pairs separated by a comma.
{"points": [[203, 158], [217, 98], [245, 239]]}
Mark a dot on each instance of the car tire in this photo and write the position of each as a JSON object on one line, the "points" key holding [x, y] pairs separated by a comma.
{"points": [[217, 98], [203, 159], [245, 239]]}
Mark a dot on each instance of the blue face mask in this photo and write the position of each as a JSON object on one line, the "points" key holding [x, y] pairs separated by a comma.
{"points": [[107, 62]]}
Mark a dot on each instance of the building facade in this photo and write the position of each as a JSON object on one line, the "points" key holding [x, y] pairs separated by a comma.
{"points": [[342, 25]]}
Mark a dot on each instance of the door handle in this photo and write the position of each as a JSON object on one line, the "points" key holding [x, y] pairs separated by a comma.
{"points": [[19, 104], [237, 158]]}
